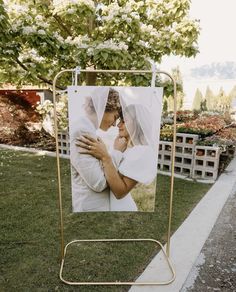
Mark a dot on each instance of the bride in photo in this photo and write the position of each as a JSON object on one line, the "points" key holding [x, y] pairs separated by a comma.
{"points": [[134, 157]]}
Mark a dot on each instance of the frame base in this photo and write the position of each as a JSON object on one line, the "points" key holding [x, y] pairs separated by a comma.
{"points": [[117, 283]]}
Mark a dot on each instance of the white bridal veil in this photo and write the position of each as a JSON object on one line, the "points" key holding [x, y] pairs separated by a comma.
{"points": [[84, 101], [141, 108]]}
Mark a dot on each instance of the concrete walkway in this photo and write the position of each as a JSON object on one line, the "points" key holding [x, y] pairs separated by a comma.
{"points": [[188, 241]]}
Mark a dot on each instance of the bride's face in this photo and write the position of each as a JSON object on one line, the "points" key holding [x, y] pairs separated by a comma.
{"points": [[123, 132]]}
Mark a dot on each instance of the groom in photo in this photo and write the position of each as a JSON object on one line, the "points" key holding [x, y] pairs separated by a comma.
{"points": [[90, 192]]}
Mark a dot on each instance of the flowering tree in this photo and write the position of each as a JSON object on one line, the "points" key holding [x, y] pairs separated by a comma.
{"points": [[42, 37]]}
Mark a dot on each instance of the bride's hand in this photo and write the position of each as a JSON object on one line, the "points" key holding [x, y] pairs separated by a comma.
{"points": [[120, 144], [94, 147]]}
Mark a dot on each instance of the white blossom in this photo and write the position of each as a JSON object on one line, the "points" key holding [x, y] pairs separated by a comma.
{"points": [[135, 15], [90, 51], [33, 54], [15, 8], [28, 17], [62, 5], [58, 37], [41, 22], [126, 13], [44, 25], [80, 41], [71, 10], [39, 18], [28, 30], [150, 2], [142, 43], [10, 52], [149, 29], [127, 8], [42, 32], [139, 4], [168, 6], [110, 44]]}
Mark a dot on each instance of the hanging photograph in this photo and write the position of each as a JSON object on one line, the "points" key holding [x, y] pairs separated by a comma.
{"points": [[114, 140]]}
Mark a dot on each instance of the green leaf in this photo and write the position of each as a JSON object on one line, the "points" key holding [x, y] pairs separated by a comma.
{"points": [[104, 55]]}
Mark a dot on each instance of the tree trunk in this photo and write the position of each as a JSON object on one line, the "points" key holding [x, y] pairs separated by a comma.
{"points": [[91, 78]]}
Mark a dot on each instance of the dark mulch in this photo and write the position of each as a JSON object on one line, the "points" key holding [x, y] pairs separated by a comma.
{"points": [[17, 119]]}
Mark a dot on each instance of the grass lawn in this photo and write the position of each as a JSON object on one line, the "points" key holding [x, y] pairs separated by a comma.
{"points": [[30, 240]]}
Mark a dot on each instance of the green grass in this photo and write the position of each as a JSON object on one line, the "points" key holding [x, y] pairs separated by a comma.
{"points": [[144, 196], [29, 224]]}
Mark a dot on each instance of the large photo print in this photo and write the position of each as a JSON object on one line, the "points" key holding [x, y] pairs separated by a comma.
{"points": [[114, 141]]}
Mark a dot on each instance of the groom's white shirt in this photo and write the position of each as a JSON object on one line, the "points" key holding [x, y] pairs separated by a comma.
{"points": [[90, 191]]}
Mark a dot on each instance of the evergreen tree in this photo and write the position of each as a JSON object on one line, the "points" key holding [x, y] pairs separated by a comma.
{"points": [[165, 106], [203, 106], [198, 98], [180, 94], [223, 101], [210, 99], [168, 90], [232, 96], [233, 92]]}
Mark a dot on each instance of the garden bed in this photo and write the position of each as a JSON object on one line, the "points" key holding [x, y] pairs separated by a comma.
{"points": [[20, 125], [212, 130]]}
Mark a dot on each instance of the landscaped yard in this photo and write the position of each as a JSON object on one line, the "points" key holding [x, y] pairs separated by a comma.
{"points": [[29, 223]]}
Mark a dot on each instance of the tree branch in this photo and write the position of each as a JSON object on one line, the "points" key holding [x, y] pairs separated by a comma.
{"points": [[59, 21], [21, 64], [50, 82]]}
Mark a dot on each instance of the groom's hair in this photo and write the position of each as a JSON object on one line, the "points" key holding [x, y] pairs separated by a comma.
{"points": [[113, 102]]}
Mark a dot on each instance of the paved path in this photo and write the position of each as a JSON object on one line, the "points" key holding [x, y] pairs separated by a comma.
{"points": [[190, 238], [215, 268]]}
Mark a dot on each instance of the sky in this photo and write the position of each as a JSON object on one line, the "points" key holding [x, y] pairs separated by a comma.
{"points": [[217, 43]]}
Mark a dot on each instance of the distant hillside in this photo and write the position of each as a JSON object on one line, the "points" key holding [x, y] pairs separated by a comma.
{"points": [[225, 70]]}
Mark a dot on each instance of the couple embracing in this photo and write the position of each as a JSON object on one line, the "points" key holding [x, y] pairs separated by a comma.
{"points": [[102, 179]]}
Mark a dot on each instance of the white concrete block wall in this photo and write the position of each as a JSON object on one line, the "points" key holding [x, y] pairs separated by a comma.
{"points": [[64, 143], [164, 156], [206, 162], [185, 144], [188, 139], [190, 159]]}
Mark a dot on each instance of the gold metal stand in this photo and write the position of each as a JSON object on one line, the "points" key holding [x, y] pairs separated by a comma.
{"points": [[63, 247]]}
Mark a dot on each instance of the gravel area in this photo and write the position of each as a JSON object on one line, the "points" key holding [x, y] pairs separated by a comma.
{"points": [[215, 268]]}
